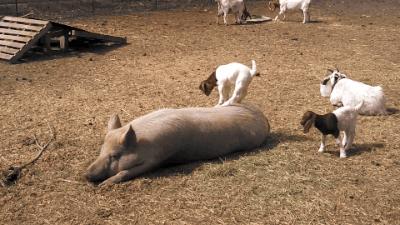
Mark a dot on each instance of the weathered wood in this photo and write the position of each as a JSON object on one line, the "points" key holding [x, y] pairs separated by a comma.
{"points": [[8, 50], [14, 38], [25, 20], [5, 56], [20, 26], [28, 45], [12, 44], [17, 32]]}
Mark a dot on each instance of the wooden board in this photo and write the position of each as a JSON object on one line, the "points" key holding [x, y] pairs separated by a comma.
{"points": [[17, 32], [18, 35], [24, 20], [258, 19]]}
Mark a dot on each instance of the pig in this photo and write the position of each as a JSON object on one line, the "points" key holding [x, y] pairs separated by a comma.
{"points": [[175, 136]]}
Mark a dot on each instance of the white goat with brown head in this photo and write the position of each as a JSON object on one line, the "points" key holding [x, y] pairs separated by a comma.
{"points": [[237, 7]]}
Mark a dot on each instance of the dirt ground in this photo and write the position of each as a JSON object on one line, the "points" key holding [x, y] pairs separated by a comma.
{"points": [[169, 52]]}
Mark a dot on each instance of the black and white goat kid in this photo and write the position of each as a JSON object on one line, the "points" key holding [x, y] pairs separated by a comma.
{"points": [[342, 119]]}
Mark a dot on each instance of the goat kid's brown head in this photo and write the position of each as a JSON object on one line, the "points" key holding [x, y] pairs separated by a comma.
{"points": [[273, 4], [307, 121], [208, 85]]}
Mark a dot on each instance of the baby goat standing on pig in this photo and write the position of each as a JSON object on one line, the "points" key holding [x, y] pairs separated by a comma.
{"points": [[175, 136], [347, 92], [342, 119], [226, 76], [237, 7], [284, 5]]}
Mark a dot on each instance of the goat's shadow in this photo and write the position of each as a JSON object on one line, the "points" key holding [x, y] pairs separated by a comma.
{"points": [[357, 149], [392, 110], [185, 169]]}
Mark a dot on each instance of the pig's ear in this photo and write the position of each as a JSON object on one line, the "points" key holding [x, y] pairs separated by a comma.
{"points": [[128, 138], [114, 123]]}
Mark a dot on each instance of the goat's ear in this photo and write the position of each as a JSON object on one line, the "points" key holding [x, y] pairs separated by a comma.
{"points": [[333, 77], [202, 86], [114, 122], [128, 138], [310, 121]]}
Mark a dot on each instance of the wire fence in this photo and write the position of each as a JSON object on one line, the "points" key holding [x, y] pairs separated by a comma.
{"points": [[20, 7]]}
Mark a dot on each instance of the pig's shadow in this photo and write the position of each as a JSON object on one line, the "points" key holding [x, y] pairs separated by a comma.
{"points": [[185, 169]]}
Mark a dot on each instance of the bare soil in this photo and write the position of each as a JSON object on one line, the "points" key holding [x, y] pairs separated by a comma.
{"points": [[169, 53]]}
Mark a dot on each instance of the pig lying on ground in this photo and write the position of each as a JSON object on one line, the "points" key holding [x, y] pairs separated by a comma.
{"points": [[171, 136]]}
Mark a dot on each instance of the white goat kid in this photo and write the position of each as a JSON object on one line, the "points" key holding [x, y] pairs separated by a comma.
{"points": [[237, 7], [342, 119], [346, 92], [226, 76], [284, 5]]}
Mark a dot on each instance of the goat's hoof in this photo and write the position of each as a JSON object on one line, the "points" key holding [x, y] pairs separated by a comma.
{"points": [[321, 150], [343, 156]]}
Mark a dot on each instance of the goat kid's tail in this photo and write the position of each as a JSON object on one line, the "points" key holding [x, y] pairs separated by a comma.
{"points": [[357, 108], [253, 71]]}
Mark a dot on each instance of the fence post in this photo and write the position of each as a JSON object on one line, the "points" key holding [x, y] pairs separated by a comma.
{"points": [[16, 7], [93, 7]]}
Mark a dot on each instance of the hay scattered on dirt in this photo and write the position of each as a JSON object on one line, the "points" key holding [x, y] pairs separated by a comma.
{"points": [[284, 182]]}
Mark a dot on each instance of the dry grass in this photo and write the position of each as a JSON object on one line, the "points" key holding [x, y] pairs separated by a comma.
{"points": [[284, 182]]}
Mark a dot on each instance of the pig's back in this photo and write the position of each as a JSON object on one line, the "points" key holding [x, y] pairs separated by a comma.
{"points": [[190, 134]]}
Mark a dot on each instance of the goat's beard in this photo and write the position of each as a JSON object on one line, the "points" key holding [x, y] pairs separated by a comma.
{"points": [[325, 90]]}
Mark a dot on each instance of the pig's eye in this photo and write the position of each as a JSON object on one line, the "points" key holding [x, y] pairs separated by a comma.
{"points": [[115, 156]]}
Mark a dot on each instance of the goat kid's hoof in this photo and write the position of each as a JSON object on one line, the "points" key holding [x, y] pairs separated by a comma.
{"points": [[321, 150], [343, 156]]}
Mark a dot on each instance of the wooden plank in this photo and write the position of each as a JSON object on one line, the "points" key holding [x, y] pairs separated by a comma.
{"points": [[9, 50], [86, 34], [5, 56], [20, 26], [25, 20], [12, 44], [28, 45], [14, 38], [17, 32]]}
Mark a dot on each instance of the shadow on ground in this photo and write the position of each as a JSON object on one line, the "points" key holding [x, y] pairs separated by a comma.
{"points": [[357, 149], [185, 169]]}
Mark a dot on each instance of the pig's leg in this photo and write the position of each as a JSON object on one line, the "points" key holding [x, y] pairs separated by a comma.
{"points": [[128, 174]]}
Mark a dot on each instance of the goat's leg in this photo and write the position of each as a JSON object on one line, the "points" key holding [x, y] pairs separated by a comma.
{"points": [[280, 13], [225, 92], [238, 94], [221, 94], [306, 16], [342, 145], [349, 141], [225, 14], [322, 147]]}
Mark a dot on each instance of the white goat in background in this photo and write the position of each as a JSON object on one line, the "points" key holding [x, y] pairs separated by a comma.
{"points": [[284, 5]]}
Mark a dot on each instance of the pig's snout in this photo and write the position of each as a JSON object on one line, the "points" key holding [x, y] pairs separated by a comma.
{"points": [[97, 172]]}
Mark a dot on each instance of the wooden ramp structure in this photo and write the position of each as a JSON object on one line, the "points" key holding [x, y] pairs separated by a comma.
{"points": [[19, 35]]}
